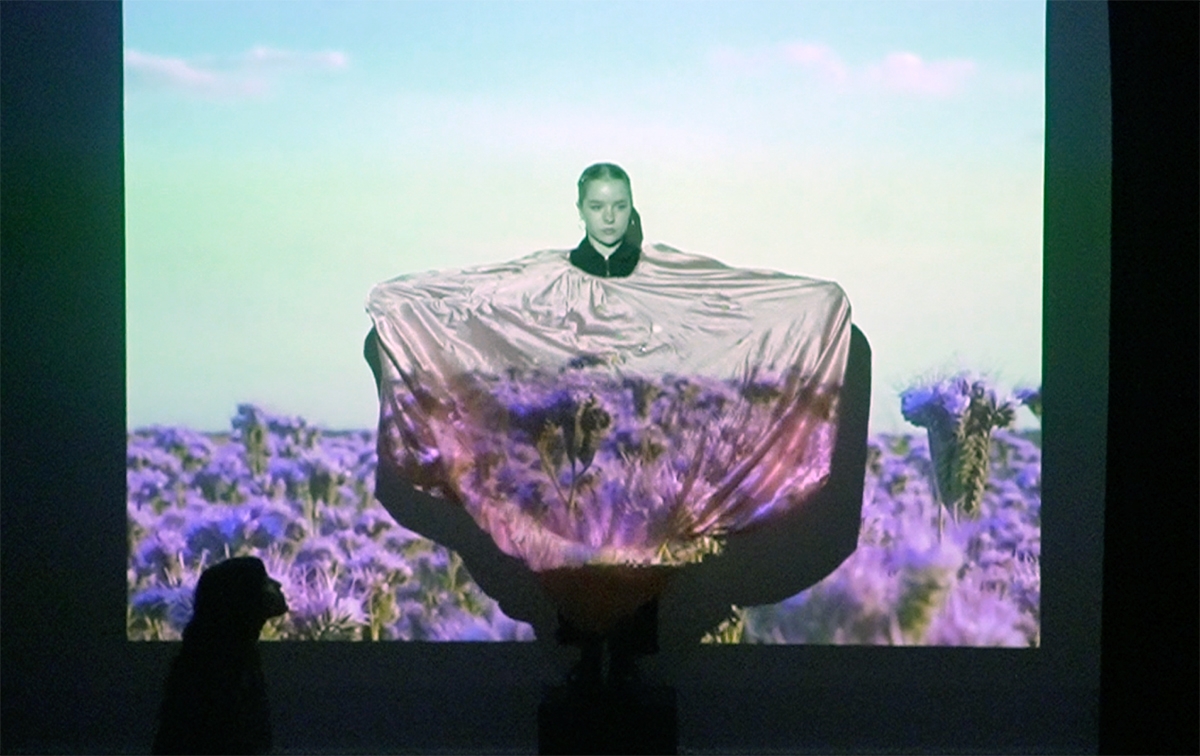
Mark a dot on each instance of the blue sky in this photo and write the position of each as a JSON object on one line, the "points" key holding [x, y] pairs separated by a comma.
{"points": [[283, 157]]}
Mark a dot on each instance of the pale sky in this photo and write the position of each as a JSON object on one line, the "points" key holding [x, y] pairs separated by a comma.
{"points": [[281, 158]]}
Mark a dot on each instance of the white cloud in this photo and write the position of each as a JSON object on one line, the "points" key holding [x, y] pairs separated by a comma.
{"points": [[820, 59], [181, 75], [902, 72], [263, 55], [250, 74], [908, 72]]}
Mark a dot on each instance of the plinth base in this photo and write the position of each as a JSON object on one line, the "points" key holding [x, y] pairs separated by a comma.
{"points": [[640, 720]]}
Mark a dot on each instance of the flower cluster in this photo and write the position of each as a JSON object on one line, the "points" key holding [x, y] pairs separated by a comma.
{"points": [[959, 415], [302, 500]]}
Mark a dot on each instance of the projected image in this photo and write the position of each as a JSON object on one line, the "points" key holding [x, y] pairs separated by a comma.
{"points": [[612, 401]]}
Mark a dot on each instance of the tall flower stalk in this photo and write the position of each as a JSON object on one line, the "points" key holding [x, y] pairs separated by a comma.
{"points": [[959, 416]]}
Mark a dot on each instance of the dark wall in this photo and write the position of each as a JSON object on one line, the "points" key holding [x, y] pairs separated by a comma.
{"points": [[63, 377], [70, 683], [1149, 670]]}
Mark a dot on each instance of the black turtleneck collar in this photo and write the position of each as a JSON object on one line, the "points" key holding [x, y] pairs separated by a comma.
{"points": [[619, 265]]}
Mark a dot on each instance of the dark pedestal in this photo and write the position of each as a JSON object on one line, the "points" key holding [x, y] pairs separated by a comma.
{"points": [[640, 720]]}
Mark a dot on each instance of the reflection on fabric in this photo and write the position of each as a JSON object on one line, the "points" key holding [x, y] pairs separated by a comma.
{"points": [[633, 421]]}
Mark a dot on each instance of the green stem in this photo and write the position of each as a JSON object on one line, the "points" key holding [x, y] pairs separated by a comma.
{"points": [[548, 469]]}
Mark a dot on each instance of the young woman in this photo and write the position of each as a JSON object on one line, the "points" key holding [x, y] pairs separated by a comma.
{"points": [[604, 416], [613, 242]]}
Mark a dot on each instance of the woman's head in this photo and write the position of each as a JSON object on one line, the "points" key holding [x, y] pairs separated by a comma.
{"points": [[606, 206]]}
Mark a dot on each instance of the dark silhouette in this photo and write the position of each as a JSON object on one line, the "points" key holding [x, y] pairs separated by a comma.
{"points": [[794, 552], [215, 700], [632, 636], [762, 566], [612, 613]]}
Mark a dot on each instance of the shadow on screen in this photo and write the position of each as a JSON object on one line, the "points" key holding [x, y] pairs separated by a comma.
{"points": [[761, 566]]}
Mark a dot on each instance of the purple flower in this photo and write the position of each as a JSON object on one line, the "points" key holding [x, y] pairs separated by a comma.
{"points": [[973, 617], [141, 454], [235, 529], [158, 556], [373, 521], [941, 402], [373, 559], [332, 520], [1030, 478], [226, 477], [143, 520], [270, 520], [318, 612], [147, 484], [318, 551], [290, 470], [165, 604], [183, 443]]}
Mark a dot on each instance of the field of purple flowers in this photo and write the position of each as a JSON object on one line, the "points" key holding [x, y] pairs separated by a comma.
{"points": [[301, 498], [978, 584]]}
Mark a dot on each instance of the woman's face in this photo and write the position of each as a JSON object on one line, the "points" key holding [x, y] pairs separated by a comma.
{"points": [[605, 209]]}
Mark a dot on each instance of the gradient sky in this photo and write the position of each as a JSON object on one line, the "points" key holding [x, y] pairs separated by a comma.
{"points": [[283, 157]]}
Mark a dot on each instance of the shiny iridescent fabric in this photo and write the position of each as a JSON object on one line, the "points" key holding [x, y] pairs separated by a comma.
{"points": [[629, 421]]}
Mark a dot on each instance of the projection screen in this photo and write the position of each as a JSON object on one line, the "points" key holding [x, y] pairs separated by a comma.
{"points": [[279, 165]]}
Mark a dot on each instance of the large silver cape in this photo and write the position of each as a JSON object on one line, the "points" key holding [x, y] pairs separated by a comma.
{"points": [[611, 421]]}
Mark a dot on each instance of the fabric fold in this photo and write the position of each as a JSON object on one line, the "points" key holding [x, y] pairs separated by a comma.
{"points": [[585, 420]]}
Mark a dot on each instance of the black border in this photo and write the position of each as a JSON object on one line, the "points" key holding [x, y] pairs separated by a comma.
{"points": [[1149, 669], [69, 682]]}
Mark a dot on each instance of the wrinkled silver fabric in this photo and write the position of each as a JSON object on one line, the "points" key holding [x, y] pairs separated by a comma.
{"points": [[589, 420]]}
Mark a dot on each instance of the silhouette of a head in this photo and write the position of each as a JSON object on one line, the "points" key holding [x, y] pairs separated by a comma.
{"points": [[215, 699], [235, 597]]}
